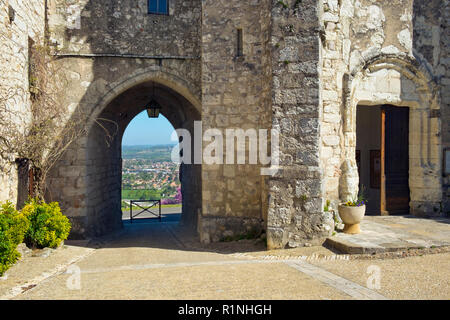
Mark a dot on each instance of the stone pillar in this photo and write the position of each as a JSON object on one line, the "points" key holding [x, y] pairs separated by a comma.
{"points": [[235, 95], [296, 216]]}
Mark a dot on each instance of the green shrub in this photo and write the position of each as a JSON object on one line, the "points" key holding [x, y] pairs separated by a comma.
{"points": [[48, 226], [13, 227]]}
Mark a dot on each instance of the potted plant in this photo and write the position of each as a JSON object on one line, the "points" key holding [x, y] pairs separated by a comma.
{"points": [[352, 212]]}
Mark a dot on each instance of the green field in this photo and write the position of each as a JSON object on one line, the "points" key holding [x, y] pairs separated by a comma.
{"points": [[148, 153], [141, 194]]}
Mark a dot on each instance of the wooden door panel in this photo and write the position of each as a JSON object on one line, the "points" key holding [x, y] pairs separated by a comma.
{"points": [[397, 159]]}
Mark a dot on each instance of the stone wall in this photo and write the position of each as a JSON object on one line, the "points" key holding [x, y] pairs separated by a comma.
{"points": [[431, 40], [235, 95], [107, 50], [296, 204], [369, 57], [304, 68], [352, 30], [19, 22], [125, 27], [444, 66]]}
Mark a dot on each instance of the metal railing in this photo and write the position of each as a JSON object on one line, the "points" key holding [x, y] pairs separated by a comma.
{"points": [[152, 203]]}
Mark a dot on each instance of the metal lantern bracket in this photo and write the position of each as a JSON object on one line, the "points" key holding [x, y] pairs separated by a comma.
{"points": [[153, 109]]}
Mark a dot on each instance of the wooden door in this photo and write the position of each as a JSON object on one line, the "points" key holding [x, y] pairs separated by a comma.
{"points": [[396, 160]]}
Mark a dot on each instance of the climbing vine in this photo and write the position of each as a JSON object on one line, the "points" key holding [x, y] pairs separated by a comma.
{"points": [[40, 132]]}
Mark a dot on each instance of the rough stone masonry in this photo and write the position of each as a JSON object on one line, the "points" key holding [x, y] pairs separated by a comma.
{"points": [[302, 68]]}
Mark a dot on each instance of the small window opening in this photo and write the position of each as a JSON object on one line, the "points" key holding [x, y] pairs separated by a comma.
{"points": [[32, 72], [158, 7], [11, 14], [240, 43]]}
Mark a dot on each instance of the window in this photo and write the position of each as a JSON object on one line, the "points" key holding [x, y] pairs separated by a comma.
{"points": [[11, 14], [240, 43], [158, 6], [32, 79]]}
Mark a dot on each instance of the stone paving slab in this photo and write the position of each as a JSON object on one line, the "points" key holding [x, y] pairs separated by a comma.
{"points": [[212, 281], [344, 285], [34, 269], [393, 233]]}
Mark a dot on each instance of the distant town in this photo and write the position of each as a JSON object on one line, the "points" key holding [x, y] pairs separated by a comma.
{"points": [[149, 173]]}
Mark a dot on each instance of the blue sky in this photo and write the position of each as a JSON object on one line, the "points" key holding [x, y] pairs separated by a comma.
{"points": [[145, 131]]}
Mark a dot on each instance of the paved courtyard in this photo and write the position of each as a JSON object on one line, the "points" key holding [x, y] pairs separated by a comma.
{"points": [[394, 233], [152, 260]]}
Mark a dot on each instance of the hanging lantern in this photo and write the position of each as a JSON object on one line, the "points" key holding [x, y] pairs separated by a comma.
{"points": [[153, 109]]}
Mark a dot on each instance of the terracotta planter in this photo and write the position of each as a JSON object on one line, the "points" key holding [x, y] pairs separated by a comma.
{"points": [[351, 217]]}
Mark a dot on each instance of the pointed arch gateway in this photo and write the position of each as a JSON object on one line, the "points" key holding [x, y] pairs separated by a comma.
{"points": [[95, 208], [397, 81]]}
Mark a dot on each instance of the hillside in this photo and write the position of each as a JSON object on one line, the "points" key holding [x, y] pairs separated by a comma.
{"points": [[160, 153], [149, 173]]}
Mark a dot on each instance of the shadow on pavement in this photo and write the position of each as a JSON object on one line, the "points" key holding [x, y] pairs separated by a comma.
{"points": [[168, 234], [436, 219]]}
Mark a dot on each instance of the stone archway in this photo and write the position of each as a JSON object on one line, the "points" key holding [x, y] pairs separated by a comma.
{"points": [[93, 202], [399, 81]]}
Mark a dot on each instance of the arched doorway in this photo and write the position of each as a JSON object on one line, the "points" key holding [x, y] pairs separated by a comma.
{"points": [[93, 202], [404, 85], [151, 169]]}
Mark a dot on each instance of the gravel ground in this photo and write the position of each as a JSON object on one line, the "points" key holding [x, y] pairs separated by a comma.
{"points": [[424, 276]]}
